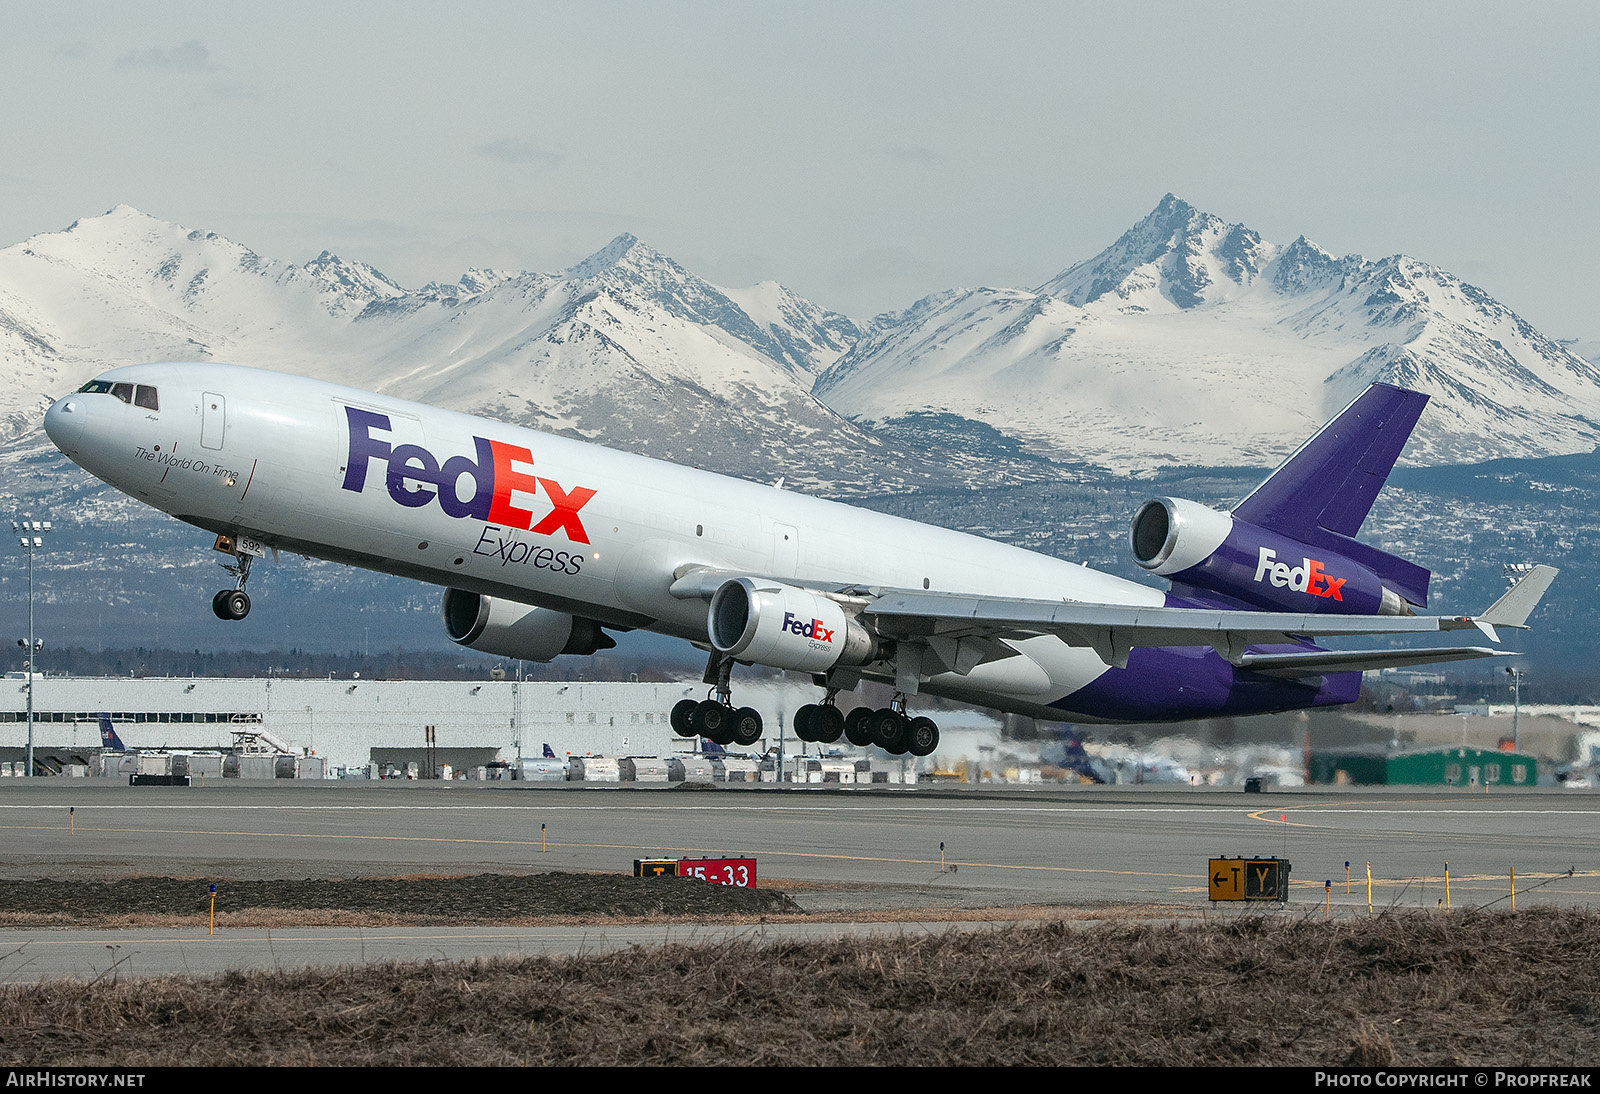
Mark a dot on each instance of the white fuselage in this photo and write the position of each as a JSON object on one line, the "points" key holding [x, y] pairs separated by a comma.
{"points": [[604, 533]]}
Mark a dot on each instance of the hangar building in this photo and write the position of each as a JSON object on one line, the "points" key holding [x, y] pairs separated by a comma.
{"points": [[351, 723]]}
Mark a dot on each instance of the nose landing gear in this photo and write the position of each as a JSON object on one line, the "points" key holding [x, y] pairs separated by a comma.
{"points": [[234, 603], [231, 604]]}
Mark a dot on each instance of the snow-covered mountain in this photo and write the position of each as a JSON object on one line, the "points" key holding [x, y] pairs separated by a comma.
{"points": [[1194, 341], [626, 347], [1187, 341]]}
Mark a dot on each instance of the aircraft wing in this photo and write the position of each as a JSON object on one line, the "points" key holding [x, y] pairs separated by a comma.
{"points": [[943, 620], [1112, 630]]}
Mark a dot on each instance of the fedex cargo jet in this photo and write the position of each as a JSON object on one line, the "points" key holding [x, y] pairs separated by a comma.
{"points": [[543, 545]]}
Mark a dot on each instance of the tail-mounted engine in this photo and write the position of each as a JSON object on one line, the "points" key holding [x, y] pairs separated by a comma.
{"points": [[509, 629], [786, 627], [1197, 546]]}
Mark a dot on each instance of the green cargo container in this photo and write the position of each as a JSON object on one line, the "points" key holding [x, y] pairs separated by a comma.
{"points": [[1430, 767], [1462, 767]]}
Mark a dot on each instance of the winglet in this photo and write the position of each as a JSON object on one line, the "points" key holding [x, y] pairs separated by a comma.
{"points": [[1513, 609]]}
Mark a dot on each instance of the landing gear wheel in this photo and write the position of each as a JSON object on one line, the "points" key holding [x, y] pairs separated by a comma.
{"points": [[827, 724], [711, 721], [888, 730], [745, 726], [804, 720], [709, 716], [231, 604], [922, 737], [855, 727], [683, 717]]}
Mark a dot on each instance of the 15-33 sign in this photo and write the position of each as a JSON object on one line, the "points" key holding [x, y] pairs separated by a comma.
{"points": [[739, 872]]}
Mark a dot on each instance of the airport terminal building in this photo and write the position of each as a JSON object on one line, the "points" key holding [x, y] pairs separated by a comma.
{"points": [[353, 723]]}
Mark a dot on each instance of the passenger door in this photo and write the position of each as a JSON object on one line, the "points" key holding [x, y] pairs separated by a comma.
{"points": [[213, 423]]}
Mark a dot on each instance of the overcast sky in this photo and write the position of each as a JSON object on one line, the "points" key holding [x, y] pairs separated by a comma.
{"points": [[863, 154]]}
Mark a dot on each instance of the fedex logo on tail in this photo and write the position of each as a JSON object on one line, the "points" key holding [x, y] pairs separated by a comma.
{"points": [[813, 630], [415, 477], [1309, 577]]}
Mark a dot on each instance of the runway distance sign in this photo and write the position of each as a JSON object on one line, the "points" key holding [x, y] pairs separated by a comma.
{"points": [[738, 872], [1248, 879]]}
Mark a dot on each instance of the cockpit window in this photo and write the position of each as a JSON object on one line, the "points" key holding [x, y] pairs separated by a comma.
{"points": [[144, 395], [95, 387], [123, 392]]}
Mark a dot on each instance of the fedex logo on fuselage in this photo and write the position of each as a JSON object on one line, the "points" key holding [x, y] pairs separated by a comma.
{"points": [[1309, 577], [813, 630], [415, 477]]}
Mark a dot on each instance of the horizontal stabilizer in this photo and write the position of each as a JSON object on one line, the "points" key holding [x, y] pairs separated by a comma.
{"points": [[1316, 662], [1513, 609]]}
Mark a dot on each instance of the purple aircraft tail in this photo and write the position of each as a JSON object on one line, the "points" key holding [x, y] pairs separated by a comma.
{"points": [[108, 736], [711, 748], [1290, 545], [549, 753], [1323, 492]]}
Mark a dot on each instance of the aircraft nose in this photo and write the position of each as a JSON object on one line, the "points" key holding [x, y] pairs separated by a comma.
{"points": [[66, 421]]}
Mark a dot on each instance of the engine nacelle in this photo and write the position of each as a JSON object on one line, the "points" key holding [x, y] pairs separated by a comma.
{"points": [[786, 627], [508, 629], [1197, 546]]}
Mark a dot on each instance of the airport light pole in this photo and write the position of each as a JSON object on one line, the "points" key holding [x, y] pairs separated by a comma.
{"points": [[31, 533], [1516, 708], [1513, 573]]}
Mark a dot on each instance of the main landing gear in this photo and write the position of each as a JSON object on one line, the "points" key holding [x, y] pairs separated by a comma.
{"points": [[890, 728], [234, 603], [716, 719]]}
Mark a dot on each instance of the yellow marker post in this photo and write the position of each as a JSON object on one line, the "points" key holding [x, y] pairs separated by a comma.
{"points": [[541, 839], [1447, 886], [72, 820], [1513, 888], [1327, 898], [941, 856], [1369, 888], [213, 908], [1346, 877]]}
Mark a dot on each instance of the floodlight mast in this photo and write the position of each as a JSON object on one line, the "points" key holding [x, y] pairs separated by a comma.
{"points": [[30, 534], [1514, 572]]}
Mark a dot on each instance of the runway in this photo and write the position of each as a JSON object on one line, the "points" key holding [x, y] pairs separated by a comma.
{"points": [[842, 852], [1094, 846], [31, 956]]}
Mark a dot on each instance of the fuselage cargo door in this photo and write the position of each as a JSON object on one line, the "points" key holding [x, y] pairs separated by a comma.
{"points": [[785, 550], [213, 419]]}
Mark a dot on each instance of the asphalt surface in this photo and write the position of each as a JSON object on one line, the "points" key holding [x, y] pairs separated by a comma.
{"points": [[842, 853]]}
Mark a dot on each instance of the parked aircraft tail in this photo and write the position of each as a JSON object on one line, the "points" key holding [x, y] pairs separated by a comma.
{"points": [[549, 753], [108, 736]]}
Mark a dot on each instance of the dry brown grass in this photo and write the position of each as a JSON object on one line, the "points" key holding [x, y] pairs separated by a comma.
{"points": [[1395, 989]]}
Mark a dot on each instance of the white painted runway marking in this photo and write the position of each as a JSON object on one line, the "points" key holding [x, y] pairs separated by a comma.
{"points": [[1299, 810]]}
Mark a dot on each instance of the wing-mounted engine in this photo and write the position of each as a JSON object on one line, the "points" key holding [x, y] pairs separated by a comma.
{"points": [[1199, 547], [508, 629], [786, 627]]}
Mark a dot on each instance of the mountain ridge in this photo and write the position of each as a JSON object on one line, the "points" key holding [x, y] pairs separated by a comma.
{"points": [[1188, 340]]}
